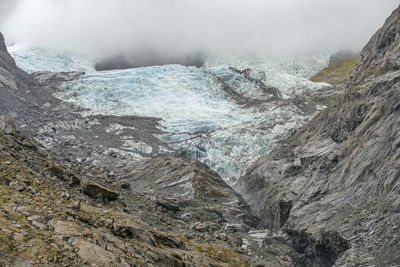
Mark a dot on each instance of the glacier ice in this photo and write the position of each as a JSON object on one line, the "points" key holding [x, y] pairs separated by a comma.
{"points": [[198, 117], [34, 59]]}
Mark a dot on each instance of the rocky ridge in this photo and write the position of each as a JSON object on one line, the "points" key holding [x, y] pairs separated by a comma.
{"points": [[334, 186]]}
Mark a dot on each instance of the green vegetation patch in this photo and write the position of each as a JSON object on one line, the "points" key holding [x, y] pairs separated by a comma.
{"points": [[337, 73]]}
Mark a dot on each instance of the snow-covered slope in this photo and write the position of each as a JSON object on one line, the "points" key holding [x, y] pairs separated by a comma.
{"points": [[201, 118]]}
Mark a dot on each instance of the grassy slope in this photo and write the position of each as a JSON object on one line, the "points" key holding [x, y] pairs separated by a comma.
{"points": [[338, 72]]}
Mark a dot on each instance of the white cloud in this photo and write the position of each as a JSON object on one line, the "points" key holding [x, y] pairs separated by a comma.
{"points": [[262, 27]]}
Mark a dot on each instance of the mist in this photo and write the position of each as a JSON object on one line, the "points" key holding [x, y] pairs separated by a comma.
{"points": [[184, 27], [6, 8]]}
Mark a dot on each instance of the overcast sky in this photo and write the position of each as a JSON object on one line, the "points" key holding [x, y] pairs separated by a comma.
{"points": [[260, 27]]}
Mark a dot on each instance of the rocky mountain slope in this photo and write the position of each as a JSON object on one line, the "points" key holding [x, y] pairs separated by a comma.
{"points": [[334, 186], [63, 204], [46, 221], [71, 195]]}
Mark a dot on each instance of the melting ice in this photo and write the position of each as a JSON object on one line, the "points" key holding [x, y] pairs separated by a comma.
{"points": [[199, 117]]}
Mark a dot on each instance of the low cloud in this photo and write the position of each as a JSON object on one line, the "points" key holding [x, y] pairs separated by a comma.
{"points": [[182, 27]]}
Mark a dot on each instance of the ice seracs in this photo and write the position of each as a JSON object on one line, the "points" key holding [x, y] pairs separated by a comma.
{"points": [[225, 114]]}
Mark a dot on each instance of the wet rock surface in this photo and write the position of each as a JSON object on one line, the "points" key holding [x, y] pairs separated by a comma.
{"points": [[339, 171]]}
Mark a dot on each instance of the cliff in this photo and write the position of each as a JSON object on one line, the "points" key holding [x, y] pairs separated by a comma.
{"points": [[334, 186]]}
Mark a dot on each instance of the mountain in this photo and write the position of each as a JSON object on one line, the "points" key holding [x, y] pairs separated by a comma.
{"points": [[66, 203], [215, 114], [83, 188], [334, 186]]}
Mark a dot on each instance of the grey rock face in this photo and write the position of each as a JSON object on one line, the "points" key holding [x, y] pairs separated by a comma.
{"points": [[189, 188], [7, 125], [382, 53], [5, 59], [3, 46], [339, 173], [194, 201]]}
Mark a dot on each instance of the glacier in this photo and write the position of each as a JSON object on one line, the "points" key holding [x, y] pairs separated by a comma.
{"points": [[200, 118], [35, 59]]}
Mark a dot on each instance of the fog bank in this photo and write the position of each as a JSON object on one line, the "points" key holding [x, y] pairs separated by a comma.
{"points": [[182, 27]]}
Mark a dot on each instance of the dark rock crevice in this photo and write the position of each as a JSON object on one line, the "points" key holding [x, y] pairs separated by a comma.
{"points": [[284, 211], [318, 253]]}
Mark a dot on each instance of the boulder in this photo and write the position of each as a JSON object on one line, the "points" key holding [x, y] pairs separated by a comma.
{"points": [[94, 254], [95, 190], [7, 125]]}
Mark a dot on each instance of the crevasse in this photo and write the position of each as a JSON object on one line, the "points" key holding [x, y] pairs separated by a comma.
{"points": [[200, 119]]}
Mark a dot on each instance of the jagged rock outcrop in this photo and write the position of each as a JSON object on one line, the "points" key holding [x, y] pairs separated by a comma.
{"points": [[185, 197], [4, 55], [191, 191], [381, 54], [334, 186], [46, 221]]}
